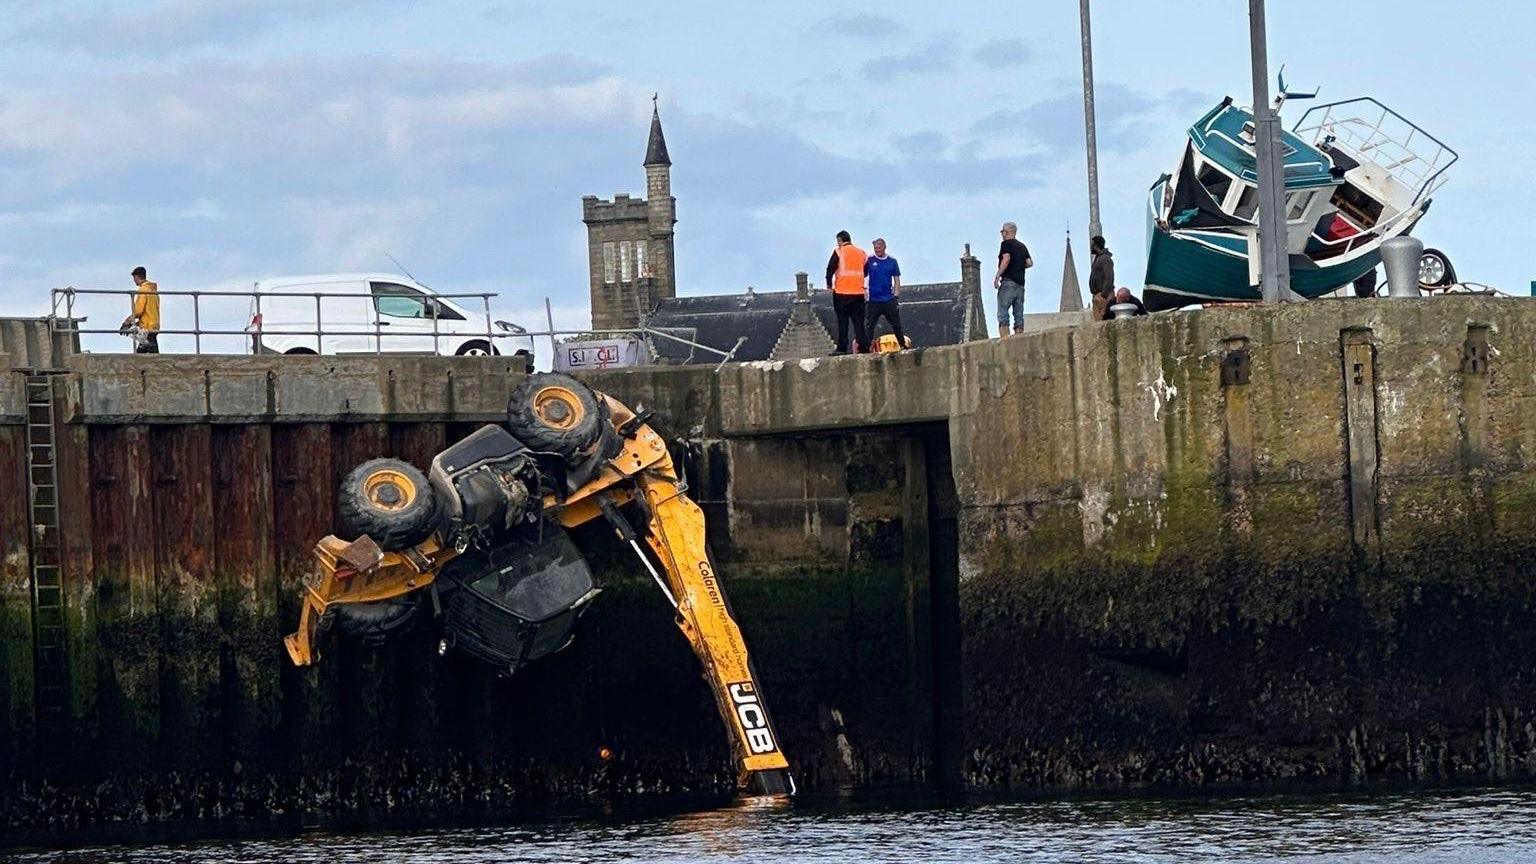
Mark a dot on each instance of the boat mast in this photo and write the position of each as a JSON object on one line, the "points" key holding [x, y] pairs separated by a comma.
{"points": [[1274, 265], [1094, 228]]}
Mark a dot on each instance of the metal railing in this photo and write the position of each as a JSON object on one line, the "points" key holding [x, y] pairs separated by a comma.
{"points": [[65, 318], [1383, 137]]}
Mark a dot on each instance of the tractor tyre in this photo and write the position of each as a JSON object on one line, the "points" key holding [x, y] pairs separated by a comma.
{"points": [[377, 621], [554, 413], [390, 501]]}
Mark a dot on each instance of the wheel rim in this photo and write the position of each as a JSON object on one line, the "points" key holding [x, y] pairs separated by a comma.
{"points": [[476, 351], [558, 408], [1431, 270], [389, 491]]}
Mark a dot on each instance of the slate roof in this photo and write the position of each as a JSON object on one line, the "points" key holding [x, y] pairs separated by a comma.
{"points": [[656, 148], [933, 314]]}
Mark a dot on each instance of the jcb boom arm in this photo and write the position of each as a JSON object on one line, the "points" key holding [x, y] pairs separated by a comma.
{"points": [[359, 572]]}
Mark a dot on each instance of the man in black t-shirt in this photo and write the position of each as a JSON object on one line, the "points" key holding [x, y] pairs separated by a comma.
{"points": [[1012, 260]]}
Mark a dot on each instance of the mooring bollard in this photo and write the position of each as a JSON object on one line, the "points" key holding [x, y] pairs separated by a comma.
{"points": [[1400, 256], [1123, 310]]}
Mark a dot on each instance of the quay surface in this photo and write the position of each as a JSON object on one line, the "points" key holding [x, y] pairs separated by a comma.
{"points": [[1231, 546]]}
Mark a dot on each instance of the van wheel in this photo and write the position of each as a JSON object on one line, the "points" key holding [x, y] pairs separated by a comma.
{"points": [[390, 501], [299, 351], [477, 348]]}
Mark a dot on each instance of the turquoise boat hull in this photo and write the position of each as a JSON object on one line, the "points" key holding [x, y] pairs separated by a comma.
{"points": [[1181, 271], [1185, 267]]}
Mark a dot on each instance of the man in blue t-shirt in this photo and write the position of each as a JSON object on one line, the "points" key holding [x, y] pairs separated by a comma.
{"points": [[884, 286]]}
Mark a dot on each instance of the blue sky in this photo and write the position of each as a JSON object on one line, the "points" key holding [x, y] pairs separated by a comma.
{"points": [[219, 141]]}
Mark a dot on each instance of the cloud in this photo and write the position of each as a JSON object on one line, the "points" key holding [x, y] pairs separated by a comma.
{"points": [[865, 25], [935, 56], [927, 144], [472, 173], [172, 24], [1002, 53], [1125, 118]]}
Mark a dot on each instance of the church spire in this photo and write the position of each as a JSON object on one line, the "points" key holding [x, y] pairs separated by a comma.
{"points": [[656, 149]]}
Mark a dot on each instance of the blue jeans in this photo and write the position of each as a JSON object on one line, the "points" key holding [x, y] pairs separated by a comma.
{"points": [[1010, 295]]}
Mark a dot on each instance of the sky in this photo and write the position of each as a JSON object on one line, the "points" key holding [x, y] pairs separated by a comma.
{"points": [[221, 141]]}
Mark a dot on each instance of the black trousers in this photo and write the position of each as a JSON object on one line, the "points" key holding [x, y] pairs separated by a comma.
{"points": [[892, 314], [850, 307]]}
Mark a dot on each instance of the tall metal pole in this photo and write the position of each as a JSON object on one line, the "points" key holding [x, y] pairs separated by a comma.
{"points": [[1274, 263], [1094, 228]]}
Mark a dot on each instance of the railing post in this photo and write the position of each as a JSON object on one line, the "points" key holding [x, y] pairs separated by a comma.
{"points": [[319, 329], [197, 323], [490, 342]]}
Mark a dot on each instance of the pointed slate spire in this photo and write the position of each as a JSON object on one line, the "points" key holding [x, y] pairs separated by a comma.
{"points": [[656, 149], [1071, 291]]}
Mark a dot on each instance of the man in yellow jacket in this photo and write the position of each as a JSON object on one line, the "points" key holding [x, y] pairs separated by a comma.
{"points": [[145, 314]]}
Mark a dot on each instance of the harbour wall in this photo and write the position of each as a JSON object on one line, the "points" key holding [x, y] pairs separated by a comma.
{"points": [[1227, 546]]}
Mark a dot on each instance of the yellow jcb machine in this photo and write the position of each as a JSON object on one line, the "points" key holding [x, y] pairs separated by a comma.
{"points": [[495, 507]]}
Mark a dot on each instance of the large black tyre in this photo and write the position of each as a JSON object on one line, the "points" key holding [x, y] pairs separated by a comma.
{"points": [[375, 622], [390, 501], [555, 413]]}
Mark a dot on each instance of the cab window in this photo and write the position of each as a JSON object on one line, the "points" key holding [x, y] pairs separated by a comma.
{"points": [[1297, 204], [399, 301], [1215, 181]]}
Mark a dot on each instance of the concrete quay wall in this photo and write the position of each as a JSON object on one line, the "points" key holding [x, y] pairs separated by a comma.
{"points": [[191, 491], [1236, 545]]}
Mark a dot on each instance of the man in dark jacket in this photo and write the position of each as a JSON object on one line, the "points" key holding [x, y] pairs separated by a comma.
{"points": [[1101, 276]]}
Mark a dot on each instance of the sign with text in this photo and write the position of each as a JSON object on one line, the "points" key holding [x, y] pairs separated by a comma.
{"points": [[599, 354]]}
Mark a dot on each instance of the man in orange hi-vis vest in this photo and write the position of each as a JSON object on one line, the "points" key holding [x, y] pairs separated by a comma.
{"points": [[845, 276]]}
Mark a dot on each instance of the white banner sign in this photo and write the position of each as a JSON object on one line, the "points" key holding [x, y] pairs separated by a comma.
{"points": [[598, 354]]}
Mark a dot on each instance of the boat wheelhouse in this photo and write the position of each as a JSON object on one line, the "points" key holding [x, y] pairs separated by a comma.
{"points": [[1356, 174]]}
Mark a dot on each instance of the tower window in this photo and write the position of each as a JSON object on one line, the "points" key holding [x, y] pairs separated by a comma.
{"points": [[626, 274], [641, 269], [610, 263]]}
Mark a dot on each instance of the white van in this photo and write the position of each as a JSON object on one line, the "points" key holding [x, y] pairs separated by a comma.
{"points": [[368, 313]]}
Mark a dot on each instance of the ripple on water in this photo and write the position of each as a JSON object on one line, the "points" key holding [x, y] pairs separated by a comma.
{"points": [[1459, 826]]}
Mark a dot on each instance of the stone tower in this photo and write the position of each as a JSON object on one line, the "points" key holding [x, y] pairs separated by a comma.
{"points": [[630, 257]]}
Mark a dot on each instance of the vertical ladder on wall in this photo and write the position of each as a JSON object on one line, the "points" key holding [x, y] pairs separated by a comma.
{"points": [[49, 661]]}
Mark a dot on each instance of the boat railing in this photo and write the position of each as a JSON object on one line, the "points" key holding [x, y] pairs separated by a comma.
{"points": [[1374, 132]]}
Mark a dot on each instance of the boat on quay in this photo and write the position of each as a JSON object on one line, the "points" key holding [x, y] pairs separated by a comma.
{"points": [[1357, 174]]}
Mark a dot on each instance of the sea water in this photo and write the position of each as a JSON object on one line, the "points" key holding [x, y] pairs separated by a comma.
{"points": [[1488, 825]]}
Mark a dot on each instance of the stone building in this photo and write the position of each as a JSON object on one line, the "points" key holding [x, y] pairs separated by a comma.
{"points": [[788, 325], [632, 278], [630, 258]]}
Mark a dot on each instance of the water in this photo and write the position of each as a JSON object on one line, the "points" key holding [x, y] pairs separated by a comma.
{"points": [[1455, 826]]}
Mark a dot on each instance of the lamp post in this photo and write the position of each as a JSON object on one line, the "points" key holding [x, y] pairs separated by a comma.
{"points": [[1094, 228], [1274, 265]]}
